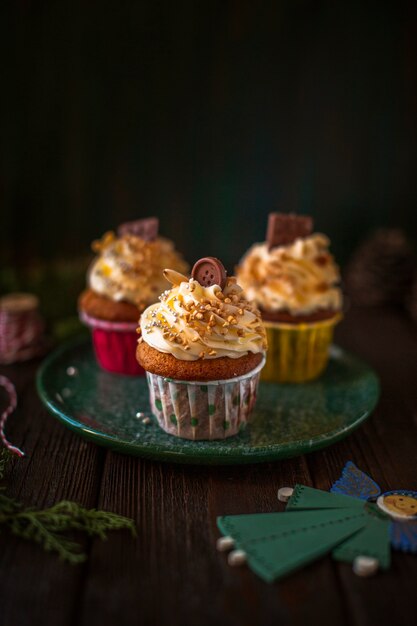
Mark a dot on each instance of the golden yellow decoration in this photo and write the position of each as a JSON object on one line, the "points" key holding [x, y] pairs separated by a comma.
{"points": [[401, 505], [297, 352], [101, 244]]}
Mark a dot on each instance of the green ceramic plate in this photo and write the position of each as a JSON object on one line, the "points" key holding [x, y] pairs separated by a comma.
{"points": [[288, 420]]}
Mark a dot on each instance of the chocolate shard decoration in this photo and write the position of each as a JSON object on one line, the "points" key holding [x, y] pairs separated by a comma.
{"points": [[146, 228], [209, 271], [285, 228]]}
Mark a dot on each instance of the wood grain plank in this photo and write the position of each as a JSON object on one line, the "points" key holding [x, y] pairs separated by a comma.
{"points": [[292, 600], [35, 586], [153, 577], [173, 571], [385, 448]]}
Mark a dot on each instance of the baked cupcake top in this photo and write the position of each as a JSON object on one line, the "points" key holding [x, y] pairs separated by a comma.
{"points": [[298, 276], [201, 319], [129, 266]]}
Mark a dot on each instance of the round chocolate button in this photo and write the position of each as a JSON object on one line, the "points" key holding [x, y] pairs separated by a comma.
{"points": [[209, 271]]}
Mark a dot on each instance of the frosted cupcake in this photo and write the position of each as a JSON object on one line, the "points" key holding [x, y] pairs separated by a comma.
{"points": [[124, 278], [202, 347], [293, 279]]}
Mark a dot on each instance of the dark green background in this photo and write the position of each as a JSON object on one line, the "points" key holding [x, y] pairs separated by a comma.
{"points": [[208, 114]]}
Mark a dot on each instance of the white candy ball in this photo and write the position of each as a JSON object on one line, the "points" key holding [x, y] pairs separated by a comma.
{"points": [[285, 493], [236, 558], [365, 566]]}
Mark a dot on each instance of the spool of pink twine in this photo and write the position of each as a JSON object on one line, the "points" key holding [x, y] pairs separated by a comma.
{"points": [[21, 338], [21, 328]]}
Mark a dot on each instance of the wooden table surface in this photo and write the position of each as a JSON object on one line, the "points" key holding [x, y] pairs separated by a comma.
{"points": [[172, 574]]}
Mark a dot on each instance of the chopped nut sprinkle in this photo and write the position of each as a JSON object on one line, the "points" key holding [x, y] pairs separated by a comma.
{"points": [[218, 315]]}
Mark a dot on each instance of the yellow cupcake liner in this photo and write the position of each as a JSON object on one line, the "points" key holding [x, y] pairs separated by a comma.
{"points": [[297, 352]]}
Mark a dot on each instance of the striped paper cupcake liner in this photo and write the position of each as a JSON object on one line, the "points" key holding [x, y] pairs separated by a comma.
{"points": [[203, 410]]}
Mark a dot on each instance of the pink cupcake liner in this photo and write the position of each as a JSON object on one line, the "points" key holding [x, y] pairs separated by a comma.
{"points": [[115, 345]]}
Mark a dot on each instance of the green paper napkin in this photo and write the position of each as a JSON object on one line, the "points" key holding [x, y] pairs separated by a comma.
{"points": [[315, 523], [310, 498]]}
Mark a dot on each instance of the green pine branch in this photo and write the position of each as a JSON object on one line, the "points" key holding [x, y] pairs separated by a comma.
{"points": [[47, 527]]}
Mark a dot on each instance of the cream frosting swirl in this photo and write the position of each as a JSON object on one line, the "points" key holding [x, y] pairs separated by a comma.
{"points": [[129, 268], [300, 278], [193, 322]]}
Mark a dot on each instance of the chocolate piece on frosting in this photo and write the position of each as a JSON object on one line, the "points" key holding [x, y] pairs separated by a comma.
{"points": [[146, 228], [284, 228], [209, 271]]}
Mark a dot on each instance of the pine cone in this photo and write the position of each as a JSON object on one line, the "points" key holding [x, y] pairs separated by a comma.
{"points": [[381, 270]]}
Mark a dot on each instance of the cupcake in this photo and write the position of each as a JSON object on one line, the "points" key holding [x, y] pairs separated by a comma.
{"points": [[122, 281], [202, 347], [294, 281]]}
